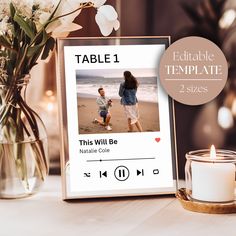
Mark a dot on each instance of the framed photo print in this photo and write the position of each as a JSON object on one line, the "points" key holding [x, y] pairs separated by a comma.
{"points": [[117, 123]]}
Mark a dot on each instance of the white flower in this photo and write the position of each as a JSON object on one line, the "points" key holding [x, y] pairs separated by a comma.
{"points": [[64, 25], [98, 3], [4, 9], [24, 7], [106, 18], [41, 12], [4, 25]]}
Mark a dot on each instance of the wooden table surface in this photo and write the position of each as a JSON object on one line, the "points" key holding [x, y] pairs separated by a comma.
{"points": [[45, 214]]}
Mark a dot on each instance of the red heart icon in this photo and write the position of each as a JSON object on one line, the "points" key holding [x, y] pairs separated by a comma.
{"points": [[157, 140]]}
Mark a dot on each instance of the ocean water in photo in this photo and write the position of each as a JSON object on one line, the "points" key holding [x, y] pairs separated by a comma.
{"points": [[88, 87]]}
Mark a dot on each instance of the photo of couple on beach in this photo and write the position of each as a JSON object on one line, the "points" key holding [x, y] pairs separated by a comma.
{"points": [[117, 101]]}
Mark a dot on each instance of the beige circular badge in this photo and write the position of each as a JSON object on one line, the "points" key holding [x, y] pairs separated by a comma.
{"points": [[193, 70]]}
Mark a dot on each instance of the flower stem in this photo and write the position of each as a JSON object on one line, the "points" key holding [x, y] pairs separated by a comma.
{"points": [[82, 6]]}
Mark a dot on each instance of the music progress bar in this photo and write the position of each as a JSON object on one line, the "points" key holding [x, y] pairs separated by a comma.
{"points": [[123, 159]]}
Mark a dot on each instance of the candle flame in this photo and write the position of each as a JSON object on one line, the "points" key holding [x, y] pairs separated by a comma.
{"points": [[213, 152]]}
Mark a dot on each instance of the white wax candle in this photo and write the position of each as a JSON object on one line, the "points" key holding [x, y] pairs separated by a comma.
{"points": [[213, 182]]}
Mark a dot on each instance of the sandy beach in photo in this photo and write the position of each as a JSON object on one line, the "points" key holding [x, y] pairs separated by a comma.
{"points": [[88, 110]]}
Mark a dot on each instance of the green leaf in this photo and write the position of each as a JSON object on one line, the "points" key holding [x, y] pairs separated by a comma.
{"points": [[32, 26], [4, 42], [24, 26], [48, 47], [12, 10], [32, 51]]}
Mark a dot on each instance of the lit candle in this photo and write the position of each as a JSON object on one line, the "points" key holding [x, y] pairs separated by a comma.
{"points": [[49, 101], [213, 181]]}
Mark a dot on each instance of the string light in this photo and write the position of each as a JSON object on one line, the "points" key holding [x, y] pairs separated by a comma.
{"points": [[227, 19], [225, 118], [49, 100]]}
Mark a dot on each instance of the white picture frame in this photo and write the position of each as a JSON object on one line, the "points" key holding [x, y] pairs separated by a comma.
{"points": [[96, 162]]}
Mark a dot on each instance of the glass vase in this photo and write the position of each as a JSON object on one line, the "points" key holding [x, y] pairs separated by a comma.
{"points": [[23, 143]]}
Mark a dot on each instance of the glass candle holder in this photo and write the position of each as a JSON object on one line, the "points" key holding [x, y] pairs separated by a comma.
{"points": [[210, 179]]}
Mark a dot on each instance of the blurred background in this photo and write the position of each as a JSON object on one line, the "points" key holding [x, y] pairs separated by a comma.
{"points": [[197, 126]]}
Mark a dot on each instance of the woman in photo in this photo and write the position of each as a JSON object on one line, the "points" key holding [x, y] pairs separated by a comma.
{"points": [[127, 92]]}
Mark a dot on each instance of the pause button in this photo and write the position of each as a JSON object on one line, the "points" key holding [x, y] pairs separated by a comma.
{"points": [[121, 173]]}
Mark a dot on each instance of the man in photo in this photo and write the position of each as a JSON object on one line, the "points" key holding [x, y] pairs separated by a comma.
{"points": [[104, 105]]}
